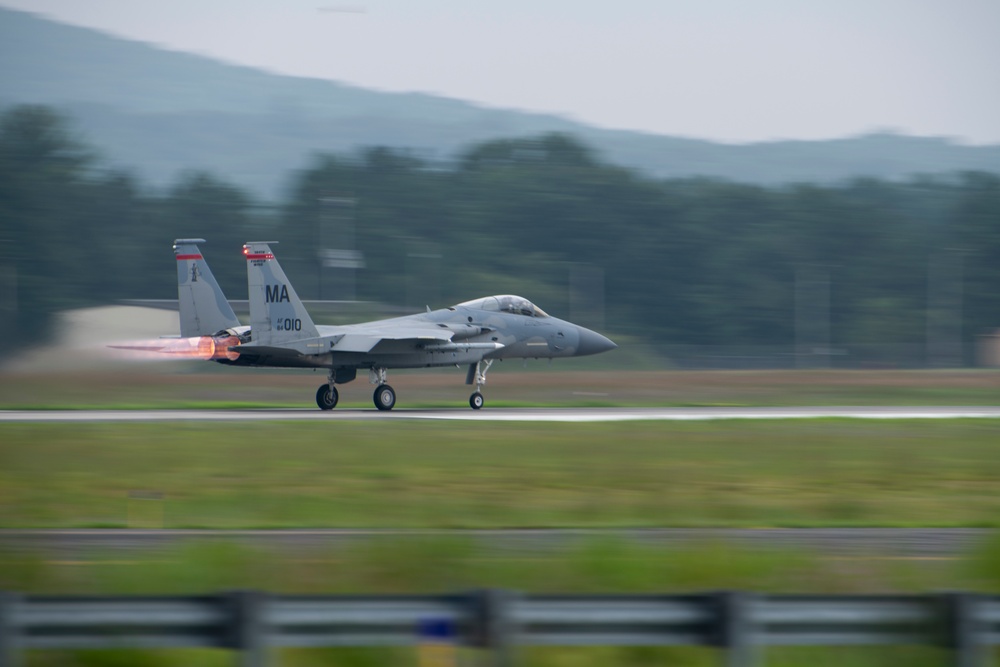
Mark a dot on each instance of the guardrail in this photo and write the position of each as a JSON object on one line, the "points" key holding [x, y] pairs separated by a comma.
{"points": [[252, 622]]}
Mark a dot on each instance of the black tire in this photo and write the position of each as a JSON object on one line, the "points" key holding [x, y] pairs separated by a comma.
{"points": [[327, 397], [384, 397], [476, 401]]}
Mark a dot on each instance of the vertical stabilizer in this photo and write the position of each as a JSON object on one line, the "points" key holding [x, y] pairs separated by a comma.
{"points": [[204, 308], [276, 314]]}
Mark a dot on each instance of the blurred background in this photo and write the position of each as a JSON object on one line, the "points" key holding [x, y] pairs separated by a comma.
{"points": [[807, 191], [877, 249]]}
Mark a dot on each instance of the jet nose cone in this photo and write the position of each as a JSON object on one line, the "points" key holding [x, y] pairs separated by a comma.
{"points": [[592, 342]]}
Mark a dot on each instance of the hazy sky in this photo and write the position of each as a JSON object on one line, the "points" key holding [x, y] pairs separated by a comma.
{"points": [[730, 70]]}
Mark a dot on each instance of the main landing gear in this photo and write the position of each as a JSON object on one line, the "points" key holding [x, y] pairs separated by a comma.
{"points": [[327, 397], [384, 396], [478, 373], [327, 394]]}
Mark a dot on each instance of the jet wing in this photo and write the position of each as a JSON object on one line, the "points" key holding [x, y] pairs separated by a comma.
{"points": [[372, 340], [396, 339]]}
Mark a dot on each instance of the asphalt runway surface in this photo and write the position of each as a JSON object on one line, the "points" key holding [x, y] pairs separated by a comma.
{"points": [[903, 543], [505, 414]]}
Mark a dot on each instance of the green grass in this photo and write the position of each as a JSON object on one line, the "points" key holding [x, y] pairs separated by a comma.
{"points": [[457, 564], [829, 472], [423, 564]]}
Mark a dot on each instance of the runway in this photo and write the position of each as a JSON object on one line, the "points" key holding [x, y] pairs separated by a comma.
{"points": [[505, 414]]}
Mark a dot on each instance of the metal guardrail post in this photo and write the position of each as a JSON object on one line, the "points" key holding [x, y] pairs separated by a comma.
{"points": [[964, 631], [735, 629], [500, 621], [493, 626], [10, 632], [248, 631]]}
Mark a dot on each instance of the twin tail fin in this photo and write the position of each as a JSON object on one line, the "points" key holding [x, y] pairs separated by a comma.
{"points": [[277, 315], [204, 310]]}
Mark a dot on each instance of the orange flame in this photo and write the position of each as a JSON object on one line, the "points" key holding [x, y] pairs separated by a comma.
{"points": [[222, 345], [198, 347]]}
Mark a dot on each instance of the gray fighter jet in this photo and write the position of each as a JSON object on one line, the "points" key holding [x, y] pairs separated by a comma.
{"points": [[281, 333]]}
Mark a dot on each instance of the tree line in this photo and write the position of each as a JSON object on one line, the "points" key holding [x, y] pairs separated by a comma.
{"points": [[678, 261]]}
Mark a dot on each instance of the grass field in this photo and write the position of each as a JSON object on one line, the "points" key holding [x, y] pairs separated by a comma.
{"points": [[457, 564], [829, 472]]}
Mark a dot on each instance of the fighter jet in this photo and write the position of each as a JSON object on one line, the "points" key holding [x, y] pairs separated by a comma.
{"points": [[473, 333]]}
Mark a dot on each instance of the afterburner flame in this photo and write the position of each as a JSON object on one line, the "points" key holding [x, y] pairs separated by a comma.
{"points": [[207, 348], [222, 345]]}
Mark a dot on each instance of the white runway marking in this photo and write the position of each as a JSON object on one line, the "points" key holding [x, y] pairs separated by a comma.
{"points": [[507, 414]]}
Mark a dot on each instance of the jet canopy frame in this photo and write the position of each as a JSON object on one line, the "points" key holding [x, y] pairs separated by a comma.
{"points": [[505, 303]]}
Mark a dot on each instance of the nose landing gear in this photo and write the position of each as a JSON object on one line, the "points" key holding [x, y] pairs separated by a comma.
{"points": [[478, 373]]}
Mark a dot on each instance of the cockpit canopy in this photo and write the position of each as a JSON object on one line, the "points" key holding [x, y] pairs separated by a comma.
{"points": [[506, 303]]}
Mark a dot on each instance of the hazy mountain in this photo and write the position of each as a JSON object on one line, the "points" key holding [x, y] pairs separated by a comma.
{"points": [[158, 112]]}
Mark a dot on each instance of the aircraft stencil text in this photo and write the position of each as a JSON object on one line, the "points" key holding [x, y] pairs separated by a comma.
{"points": [[275, 293], [289, 324]]}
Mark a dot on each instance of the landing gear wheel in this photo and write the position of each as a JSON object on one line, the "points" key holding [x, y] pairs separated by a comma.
{"points": [[327, 397], [476, 401], [384, 397]]}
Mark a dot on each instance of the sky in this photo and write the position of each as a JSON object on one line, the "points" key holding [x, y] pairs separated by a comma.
{"points": [[727, 70]]}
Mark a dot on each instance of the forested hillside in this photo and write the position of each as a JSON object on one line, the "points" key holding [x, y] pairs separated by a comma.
{"points": [[681, 261], [158, 112]]}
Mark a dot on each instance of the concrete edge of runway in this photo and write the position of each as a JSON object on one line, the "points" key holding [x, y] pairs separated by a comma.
{"points": [[506, 414]]}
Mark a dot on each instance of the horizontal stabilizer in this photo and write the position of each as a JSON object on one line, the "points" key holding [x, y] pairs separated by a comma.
{"points": [[139, 347], [300, 346]]}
